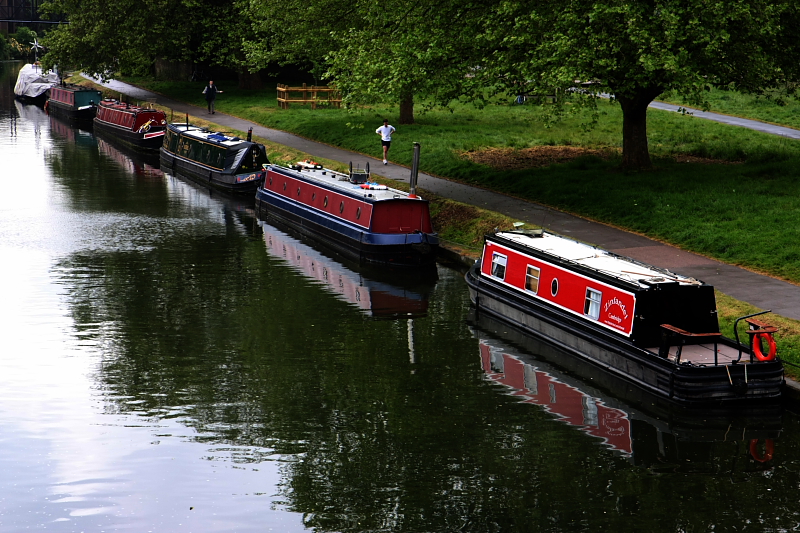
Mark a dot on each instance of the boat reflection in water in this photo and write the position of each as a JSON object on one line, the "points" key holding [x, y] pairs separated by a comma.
{"points": [[62, 128], [646, 429], [134, 163], [390, 294]]}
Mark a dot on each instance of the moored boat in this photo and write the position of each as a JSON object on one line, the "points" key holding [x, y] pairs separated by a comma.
{"points": [[33, 84], [73, 102], [229, 164], [652, 327], [368, 222], [138, 127]]}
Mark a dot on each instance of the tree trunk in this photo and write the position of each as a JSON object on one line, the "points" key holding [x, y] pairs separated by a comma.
{"points": [[635, 152], [407, 108], [249, 80]]}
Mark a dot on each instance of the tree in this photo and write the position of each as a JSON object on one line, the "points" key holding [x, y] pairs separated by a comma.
{"points": [[128, 35], [636, 50], [397, 51]]}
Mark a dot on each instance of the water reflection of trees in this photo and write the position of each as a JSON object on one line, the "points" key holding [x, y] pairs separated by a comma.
{"points": [[207, 328]]}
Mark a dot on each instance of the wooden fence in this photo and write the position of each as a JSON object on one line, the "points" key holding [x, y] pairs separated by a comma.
{"points": [[312, 94]]}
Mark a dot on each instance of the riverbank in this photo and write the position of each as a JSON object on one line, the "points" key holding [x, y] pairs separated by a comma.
{"points": [[468, 242]]}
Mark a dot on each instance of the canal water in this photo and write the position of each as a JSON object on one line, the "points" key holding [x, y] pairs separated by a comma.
{"points": [[171, 363]]}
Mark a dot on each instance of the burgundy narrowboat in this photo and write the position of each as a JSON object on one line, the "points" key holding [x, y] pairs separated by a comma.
{"points": [[225, 163], [138, 127], [657, 329], [73, 102], [365, 221]]}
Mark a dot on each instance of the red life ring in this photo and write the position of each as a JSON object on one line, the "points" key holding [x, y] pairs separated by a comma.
{"points": [[769, 450], [757, 350]]}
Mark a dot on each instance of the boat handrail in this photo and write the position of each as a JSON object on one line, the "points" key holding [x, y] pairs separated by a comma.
{"points": [[339, 175]]}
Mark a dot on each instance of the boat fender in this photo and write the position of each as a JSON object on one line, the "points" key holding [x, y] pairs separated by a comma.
{"points": [[758, 349], [769, 450]]}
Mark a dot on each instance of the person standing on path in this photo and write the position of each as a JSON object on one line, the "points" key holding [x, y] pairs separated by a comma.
{"points": [[385, 132], [211, 94]]}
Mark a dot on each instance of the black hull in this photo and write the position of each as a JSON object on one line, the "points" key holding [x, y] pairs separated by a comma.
{"points": [[226, 183], [683, 384], [70, 113], [401, 255], [134, 140]]}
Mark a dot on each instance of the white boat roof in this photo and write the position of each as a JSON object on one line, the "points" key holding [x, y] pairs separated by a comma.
{"points": [[204, 134], [623, 268], [330, 179]]}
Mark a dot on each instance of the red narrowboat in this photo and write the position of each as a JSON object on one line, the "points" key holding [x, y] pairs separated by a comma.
{"points": [[347, 213], [138, 127], [653, 327]]}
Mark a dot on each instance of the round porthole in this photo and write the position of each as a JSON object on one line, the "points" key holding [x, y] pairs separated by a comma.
{"points": [[554, 287], [298, 191], [284, 185], [341, 207], [325, 202], [313, 196], [270, 180], [358, 213]]}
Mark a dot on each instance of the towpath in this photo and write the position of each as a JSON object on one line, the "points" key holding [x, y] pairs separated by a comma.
{"points": [[762, 291]]}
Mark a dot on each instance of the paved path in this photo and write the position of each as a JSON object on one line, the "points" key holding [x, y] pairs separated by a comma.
{"points": [[762, 291]]}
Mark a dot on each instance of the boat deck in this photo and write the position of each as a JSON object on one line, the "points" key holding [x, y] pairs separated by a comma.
{"points": [[333, 180], [703, 354]]}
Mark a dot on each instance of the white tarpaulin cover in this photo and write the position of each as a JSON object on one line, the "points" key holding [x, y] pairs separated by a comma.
{"points": [[32, 82]]}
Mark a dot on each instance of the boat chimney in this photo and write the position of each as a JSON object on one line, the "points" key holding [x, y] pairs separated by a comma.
{"points": [[412, 193], [250, 135]]}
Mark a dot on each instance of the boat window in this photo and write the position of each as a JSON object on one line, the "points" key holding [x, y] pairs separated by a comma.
{"points": [[358, 213], [325, 203], [341, 207], [532, 279], [554, 287], [284, 185], [592, 306], [313, 196], [499, 265], [298, 191]]}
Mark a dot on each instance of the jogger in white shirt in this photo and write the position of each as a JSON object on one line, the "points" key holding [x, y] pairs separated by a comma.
{"points": [[385, 132]]}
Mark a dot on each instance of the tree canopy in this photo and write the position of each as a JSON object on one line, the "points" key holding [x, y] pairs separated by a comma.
{"points": [[407, 51], [630, 50]]}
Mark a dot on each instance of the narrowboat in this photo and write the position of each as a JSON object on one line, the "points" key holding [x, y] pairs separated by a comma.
{"points": [[362, 220], [374, 292], [229, 164], [33, 84], [646, 430], [73, 102], [135, 126], [655, 328]]}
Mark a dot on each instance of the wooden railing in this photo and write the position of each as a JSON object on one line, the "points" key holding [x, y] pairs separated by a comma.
{"points": [[315, 95]]}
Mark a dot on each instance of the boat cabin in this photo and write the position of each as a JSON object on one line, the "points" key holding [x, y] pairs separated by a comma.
{"points": [[130, 117], [75, 96], [214, 150], [619, 294]]}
